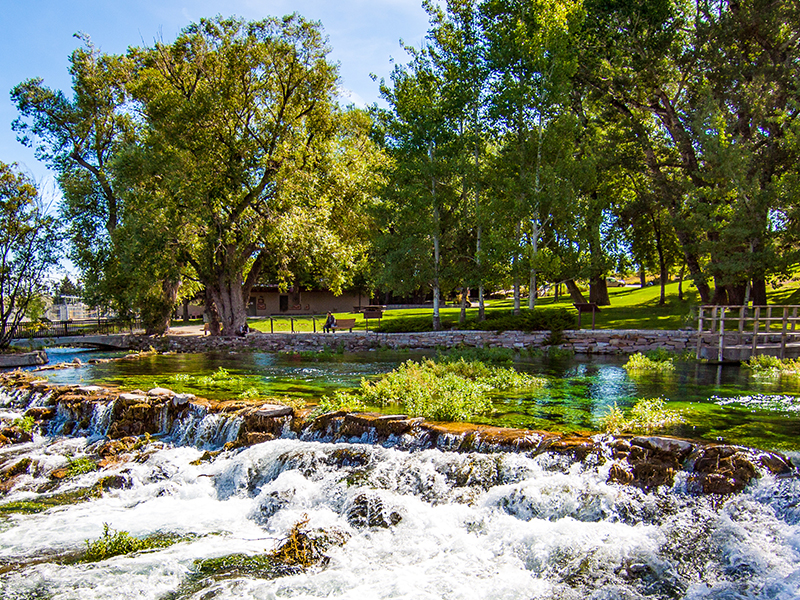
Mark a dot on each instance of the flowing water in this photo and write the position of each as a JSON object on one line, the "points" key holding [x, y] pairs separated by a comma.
{"points": [[719, 403], [416, 525]]}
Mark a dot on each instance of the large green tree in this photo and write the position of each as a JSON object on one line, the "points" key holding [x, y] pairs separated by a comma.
{"points": [[238, 118], [30, 246]]}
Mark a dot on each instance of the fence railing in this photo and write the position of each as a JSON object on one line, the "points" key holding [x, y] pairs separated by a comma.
{"points": [[748, 330], [312, 323], [57, 329]]}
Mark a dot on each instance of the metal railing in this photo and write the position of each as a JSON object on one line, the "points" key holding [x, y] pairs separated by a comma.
{"points": [[57, 329]]}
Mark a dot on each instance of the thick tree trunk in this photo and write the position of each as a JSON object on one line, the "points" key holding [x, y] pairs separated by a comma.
{"points": [[736, 294], [720, 297], [758, 291], [642, 276], [574, 293], [598, 291], [186, 311], [158, 313], [231, 305]]}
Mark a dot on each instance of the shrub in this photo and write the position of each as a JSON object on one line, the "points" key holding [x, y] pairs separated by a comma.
{"points": [[449, 389], [24, 423], [80, 466], [639, 363], [646, 416], [491, 355], [772, 366]]}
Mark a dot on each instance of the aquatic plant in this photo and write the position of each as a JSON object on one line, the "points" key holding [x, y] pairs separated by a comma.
{"points": [[340, 400], [639, 363], [116, 543], [181, 378], [43, 503], [646, 416], [302, 548], [249, 394], [771, 366], [24, 423], [446, 390], [80, 466]]}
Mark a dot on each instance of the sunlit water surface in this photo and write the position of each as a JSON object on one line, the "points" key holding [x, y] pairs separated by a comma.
{"points": [[442, 525], [718, 403]]}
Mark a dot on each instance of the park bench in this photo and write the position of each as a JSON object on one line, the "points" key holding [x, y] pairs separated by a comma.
{"points": [[588, 307], [344, 324]]}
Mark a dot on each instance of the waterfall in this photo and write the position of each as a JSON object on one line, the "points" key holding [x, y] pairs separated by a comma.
{"points": [[202, 429]]}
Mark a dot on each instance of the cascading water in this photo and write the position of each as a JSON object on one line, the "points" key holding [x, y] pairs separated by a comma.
{"points": [[203, 429], [427, 524]]}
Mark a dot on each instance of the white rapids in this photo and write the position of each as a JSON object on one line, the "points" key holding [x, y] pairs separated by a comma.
{"points": [[440, 525]]}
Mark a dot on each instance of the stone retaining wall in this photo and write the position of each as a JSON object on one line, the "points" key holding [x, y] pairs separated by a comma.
{"points": [[626, 341]]}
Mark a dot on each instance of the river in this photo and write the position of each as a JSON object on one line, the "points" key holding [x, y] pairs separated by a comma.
{"points": [[418, 525]]}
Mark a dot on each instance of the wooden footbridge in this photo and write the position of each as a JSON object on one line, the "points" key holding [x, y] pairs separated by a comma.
{"points": [[735, 333]]}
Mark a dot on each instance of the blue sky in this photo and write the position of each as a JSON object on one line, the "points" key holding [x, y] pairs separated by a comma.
{"points": [[36, 39]]}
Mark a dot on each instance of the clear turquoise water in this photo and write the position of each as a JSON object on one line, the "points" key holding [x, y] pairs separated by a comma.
{"points": [[716, 401]]}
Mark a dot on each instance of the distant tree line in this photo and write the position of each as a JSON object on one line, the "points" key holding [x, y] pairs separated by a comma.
{"points": [[526, 142]]}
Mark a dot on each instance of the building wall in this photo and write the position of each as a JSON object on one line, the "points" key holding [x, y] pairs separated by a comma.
{"points": [[263, 304]]}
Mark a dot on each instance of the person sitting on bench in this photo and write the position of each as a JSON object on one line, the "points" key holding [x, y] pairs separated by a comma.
{"points": [[330, 323]]}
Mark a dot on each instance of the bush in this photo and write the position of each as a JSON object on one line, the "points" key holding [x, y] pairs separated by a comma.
{"points": [[646, 416], [639, 363], [449, 389], [772, 366]]}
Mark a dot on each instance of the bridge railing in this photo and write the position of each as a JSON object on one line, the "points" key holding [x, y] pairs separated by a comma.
{"points": [[57, 329], [748, 330]]}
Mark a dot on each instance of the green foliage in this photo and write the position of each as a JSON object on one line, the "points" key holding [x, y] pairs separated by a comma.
{"points": [[540, 319], [639, 363], [340, 400], [219, 378], [249, 394], [24, 423], [30, 246], [646, 416], [450, 389], [771, 366], [116, 543], [491, 355], [80, 466], [43, 503]]}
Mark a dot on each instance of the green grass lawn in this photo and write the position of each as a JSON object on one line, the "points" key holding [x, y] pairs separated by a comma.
{"points": [[632, 307]]}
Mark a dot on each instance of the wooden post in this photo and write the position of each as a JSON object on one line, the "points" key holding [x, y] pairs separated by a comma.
{"points": [[291, 323], [314, 323], [721, 345], [783, 331], [271, 327], [699, 333], [755, 331], [713, 328]]}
